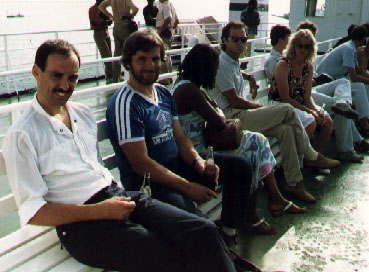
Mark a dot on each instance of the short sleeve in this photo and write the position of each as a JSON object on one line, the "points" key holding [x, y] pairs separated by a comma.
{"points": [[349, 59], [224, 78]]}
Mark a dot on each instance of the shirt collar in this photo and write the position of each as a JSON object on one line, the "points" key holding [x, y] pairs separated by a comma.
{"points": [[227, 58], [57, 125], [351, 43], [275, 53]]}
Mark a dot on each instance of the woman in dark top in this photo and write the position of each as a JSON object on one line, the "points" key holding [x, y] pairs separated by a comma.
{"points": [[195, 107], [292, 83]]}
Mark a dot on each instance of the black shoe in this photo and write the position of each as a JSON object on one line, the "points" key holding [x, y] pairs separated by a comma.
{"points": [[241, 264], [345, 110], [362, 146], [230, 240]]}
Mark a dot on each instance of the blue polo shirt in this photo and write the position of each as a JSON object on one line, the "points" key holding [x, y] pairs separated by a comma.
{"points": [[336, 62], [132, 117]]}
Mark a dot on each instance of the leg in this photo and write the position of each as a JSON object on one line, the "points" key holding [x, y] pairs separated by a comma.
{"points": [[120, 33], [360, 99], [324, 135], [339, 90], [103, 43]]}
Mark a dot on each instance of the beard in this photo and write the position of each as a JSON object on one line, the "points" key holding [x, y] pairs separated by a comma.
{"points": [[145, 79]]}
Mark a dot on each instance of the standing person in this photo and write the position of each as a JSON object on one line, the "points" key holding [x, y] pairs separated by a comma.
{"points": [[150, 12], [342, 62], [196, 74], [99, 22], [123, 13], [57, 180], [166, 23], [279, 121], [292, 83], [143, 127], [251, 18]]}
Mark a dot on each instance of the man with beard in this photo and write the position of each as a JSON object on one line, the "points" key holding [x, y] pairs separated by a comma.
{"points": [[55, 174], [143, 127]]}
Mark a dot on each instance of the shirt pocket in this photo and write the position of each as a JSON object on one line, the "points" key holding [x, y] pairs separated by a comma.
{"points": [[58, 160]]}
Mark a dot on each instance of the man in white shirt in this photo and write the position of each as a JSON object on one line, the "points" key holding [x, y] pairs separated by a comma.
{"points": [[53, 166]]}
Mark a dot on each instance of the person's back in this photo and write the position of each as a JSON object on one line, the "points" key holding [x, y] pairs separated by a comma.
{"points": [[335, 62], [150, 12]]}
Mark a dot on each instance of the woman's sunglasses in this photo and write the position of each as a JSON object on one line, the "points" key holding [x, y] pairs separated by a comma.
{"points": [[236, 39], [306, 46]]}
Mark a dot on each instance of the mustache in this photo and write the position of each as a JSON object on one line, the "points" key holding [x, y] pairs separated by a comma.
{"points": [[70, 90]]}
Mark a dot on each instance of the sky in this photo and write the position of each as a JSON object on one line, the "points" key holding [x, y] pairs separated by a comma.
{"points": [[67, 14]]}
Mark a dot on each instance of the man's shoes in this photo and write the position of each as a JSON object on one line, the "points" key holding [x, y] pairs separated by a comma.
{"points": [[321, 162], [349, 156], [241, 264], [362, 146], [299, 192], [345, 110]]}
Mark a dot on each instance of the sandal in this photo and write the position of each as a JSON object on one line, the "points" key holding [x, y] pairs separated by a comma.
{"points": [[241, 264], [262, 227], [289, 208]]}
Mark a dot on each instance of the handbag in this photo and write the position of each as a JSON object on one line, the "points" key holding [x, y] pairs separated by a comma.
{"points": [[228, 138]]}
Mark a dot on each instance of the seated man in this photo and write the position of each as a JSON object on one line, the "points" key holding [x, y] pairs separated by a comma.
{"points": [[342, 61], [278, 121], [54, 171], [346, 132], [143, 127]]}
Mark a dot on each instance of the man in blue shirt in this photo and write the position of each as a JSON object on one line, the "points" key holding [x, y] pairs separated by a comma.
{"points": [[144, 129], [342, 62]]}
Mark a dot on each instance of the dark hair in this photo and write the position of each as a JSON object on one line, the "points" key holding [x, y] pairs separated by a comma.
{"points": [[349, 30], [59, 47], [227, 29], [98, 2], [144, 40], [200, 66], [252, 5], [308, 25], [358, 33], [278, 32]]}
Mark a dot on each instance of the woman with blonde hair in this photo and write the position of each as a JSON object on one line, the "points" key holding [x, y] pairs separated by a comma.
{"points": [[292, 83]]}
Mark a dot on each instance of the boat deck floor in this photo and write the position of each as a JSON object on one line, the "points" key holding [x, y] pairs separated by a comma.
{"points": [[332, 236]]}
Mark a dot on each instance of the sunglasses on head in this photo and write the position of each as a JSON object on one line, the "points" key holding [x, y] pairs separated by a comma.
{"points": [[306, 46], [236, 39]]}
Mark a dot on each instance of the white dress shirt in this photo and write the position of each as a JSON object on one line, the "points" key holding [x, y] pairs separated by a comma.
{"points": [[47, 163]]}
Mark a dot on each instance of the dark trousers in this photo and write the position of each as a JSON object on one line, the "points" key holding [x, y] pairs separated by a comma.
{"points": [[156, 237], [235, 176]]}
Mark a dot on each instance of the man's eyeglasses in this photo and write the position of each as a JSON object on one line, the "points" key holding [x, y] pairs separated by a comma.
{"points": [[306, 46], [236, 39]]}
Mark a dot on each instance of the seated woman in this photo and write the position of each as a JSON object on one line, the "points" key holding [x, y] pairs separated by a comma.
{"points": [[195, 108], [292, 83]]}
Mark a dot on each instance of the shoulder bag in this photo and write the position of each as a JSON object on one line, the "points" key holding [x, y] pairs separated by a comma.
{"points": [[226, 139]]}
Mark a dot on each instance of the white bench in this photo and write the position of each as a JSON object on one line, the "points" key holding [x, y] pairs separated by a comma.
{"points": [[34, 248]]}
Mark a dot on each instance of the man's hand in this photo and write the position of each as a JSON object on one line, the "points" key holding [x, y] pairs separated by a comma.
{"points": [[198, 193], [253, 87], [116, 208], [199, 167]]}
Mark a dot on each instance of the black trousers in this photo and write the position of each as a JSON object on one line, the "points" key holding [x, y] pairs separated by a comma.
{"points": [[156, 237], [235, 176]]}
